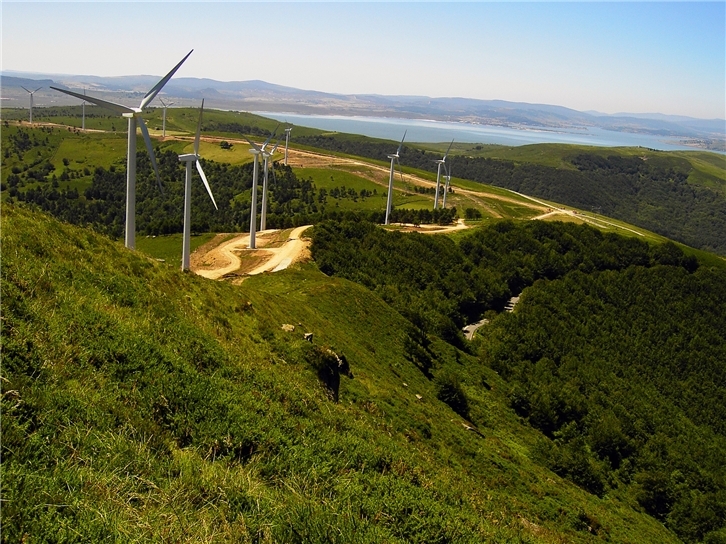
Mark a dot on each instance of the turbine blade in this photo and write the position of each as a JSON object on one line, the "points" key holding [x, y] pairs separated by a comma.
{"points": [[253, 144], [206, 183], [36, 90], [271, 136], [447, 151], [400, 146], [199, 130], [26, 90], [276, 144], [156, 88], [150, 149], [399, 169], [118, 108], [162, 102]]}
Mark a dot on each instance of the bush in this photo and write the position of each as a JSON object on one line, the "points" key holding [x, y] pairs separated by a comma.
{"points": [[449, 391]]}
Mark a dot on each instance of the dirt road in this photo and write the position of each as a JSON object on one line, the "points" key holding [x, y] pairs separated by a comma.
{"points": [[274, 252]]}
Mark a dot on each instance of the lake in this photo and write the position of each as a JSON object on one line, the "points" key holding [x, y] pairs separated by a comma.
{"points": [[428, 131]]}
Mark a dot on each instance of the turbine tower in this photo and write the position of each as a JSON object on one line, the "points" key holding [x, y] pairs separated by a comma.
{"points": [[446, 188], [287, 139], [190, 158], [263, 214], [134, 117], [266, 155], [163, 122], [394, 158], [31, 93], [440, 162], [83, 112], [256, 152]]}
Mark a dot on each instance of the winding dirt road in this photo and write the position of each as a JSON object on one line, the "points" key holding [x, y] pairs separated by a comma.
{"points": [[274, 252]]}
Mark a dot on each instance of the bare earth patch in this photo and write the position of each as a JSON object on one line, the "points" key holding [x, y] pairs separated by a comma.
{"points": [[232, 257]]}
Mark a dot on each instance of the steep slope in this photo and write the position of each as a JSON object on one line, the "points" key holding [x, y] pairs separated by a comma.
{"points": [[143, 404]]}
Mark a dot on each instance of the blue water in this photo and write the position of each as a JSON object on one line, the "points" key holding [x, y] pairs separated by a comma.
{"points": [[426, 131]]}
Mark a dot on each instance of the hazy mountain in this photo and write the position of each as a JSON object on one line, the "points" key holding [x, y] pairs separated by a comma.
{"points": [[262, 96]]}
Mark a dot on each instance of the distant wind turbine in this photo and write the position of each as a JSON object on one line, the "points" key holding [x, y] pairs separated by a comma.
{"points": [[133, 115], [266, 155], [31, 93], [440, 162], [446, 188], [394, 158], [287, 139], [190, 158], [163, 122], [256, 152]]}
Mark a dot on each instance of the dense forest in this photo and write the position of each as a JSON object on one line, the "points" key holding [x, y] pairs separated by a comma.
{"points": [[650, 194], [615, 352], [292, 201]]}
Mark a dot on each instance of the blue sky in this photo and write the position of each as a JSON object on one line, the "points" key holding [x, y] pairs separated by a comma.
{"points": [[640, 57]]}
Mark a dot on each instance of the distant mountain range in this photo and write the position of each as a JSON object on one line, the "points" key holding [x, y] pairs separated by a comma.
{"points": [[263, 96]]}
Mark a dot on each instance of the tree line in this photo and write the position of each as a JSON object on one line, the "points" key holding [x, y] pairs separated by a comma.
{"points": [[292, 201]]}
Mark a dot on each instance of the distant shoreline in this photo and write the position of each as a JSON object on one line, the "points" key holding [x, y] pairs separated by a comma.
{"points": [[435, 131]]}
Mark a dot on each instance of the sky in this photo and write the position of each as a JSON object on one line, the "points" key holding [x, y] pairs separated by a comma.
{"points": [[611, 57]]}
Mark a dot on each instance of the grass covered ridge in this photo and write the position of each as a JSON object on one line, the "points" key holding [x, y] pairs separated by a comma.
{"points": [[143, 404]]}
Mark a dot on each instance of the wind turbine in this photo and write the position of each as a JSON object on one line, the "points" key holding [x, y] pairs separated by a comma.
{"points": [[190, 158], [163, 122], [266, 155], [31, 93], [287, 139], [133, 115], [440, 162], [394, 158], [446, 188], [256, 152], [83, 114], [263, 215]]}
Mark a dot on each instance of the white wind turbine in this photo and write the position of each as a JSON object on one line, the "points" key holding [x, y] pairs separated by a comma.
{"points": [[133, 115], [190, 158], [446, 187], [440, 162], [394, 158], [163, 122], [263, 213], [287, 139], [256, 152], [31, 93], [266, 155]]}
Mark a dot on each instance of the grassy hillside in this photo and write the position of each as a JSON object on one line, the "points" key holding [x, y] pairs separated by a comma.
{"points": [[143, 404]]}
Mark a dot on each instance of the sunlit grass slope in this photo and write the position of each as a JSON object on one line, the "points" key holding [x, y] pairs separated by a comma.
{"points": [[141, 404]]}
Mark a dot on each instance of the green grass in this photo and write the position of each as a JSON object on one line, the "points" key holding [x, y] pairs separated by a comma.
{"points": [[334, 177], [144, 404], [169, 247]]}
